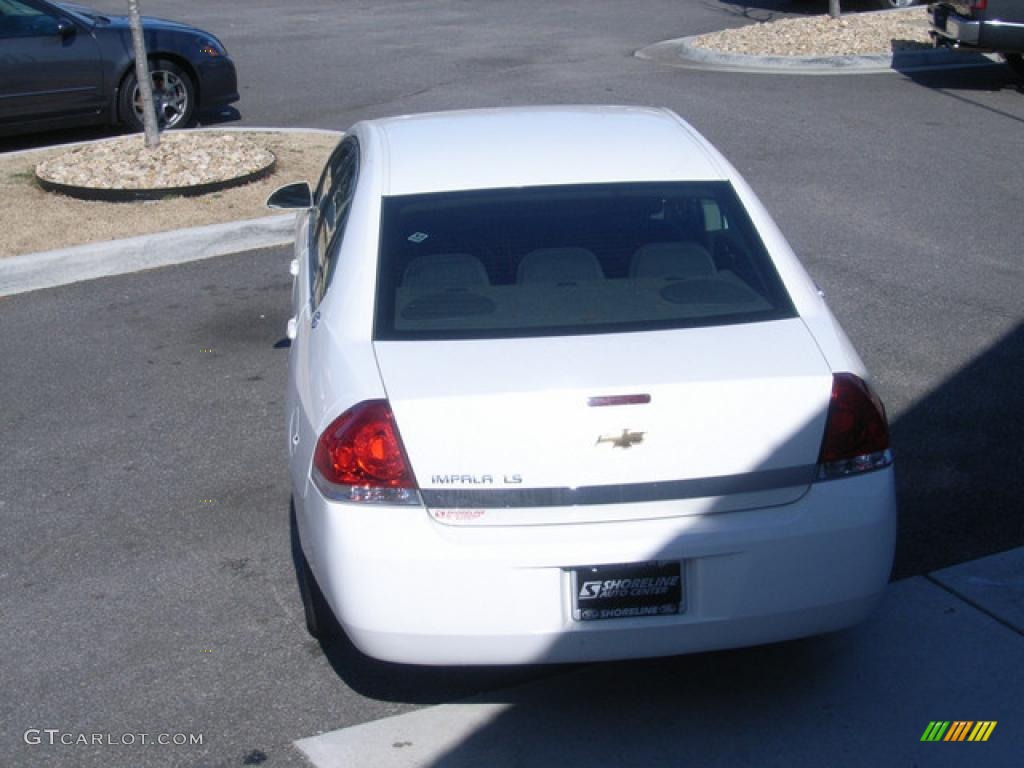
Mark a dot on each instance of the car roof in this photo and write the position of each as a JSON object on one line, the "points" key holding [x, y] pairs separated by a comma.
{"points": [[538, 146]]}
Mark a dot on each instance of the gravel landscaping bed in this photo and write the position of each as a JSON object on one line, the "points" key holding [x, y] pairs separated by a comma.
{"points": [[185, 159], [851, 35]]}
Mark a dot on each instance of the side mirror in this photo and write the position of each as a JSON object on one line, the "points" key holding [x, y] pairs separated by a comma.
{"points": [[65, 29], [291, 197]]}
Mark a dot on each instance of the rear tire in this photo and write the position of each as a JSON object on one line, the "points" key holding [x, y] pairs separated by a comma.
{"points": [[1016, 63], [895, 3], [320, 621]]}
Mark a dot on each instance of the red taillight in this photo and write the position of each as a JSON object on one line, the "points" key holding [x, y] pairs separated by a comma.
{"points": [[979, 5], [856, 433], [360, 457]]}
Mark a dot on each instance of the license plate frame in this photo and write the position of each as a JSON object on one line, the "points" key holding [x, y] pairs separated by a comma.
{"points": [[628, 590]]}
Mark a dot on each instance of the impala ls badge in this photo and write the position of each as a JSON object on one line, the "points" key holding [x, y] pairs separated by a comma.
{"points": [[626, 440]]}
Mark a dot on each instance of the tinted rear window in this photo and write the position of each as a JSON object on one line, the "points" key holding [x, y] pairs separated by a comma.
{"points": [[554, 261]]}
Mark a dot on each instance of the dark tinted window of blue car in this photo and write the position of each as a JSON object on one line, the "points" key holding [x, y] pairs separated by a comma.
{"points": [[20, 20]]}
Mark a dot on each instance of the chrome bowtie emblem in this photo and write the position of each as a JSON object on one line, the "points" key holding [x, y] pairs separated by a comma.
{"points": [[626, 440]]}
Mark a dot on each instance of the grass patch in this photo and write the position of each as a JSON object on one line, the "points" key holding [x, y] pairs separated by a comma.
{"points": [[41, 221]]}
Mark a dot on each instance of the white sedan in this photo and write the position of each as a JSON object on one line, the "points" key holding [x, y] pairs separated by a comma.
{"points": [[559, 390]]}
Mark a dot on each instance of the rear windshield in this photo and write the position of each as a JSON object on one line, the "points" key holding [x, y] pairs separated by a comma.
{"points": [[567, 260]]}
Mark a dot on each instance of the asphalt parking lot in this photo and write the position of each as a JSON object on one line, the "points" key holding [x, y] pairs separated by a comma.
{"points": [[146, 570]]}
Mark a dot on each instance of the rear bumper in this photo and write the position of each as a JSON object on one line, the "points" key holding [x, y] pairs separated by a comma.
{"points": [[952, 30], [949, 28], [408, 589]]}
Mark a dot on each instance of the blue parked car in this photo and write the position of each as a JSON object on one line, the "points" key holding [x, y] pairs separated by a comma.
{"points": [[64, 65]]}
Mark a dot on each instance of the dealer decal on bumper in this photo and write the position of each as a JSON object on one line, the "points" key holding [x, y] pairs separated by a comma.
{"points": [[627, 590]]}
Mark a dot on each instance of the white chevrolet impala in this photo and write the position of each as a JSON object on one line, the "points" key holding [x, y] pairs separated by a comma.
{"points": [[559, 390]]}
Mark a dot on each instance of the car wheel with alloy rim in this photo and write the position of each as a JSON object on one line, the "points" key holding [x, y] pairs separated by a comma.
{"points": [[174, 95]]}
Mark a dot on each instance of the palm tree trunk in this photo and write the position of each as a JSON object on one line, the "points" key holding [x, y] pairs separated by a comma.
{"points": [[142, 76]]}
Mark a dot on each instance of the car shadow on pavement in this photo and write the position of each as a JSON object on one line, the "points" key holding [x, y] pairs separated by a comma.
{"points": [[959, 467], [413, 684], [974, 72], [759, 11], [225, 115], [989, 78], [43, 139], [766, 10]]}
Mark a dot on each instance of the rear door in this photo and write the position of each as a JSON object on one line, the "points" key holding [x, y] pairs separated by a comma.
{"points": [[319, 239], [49, 65]]}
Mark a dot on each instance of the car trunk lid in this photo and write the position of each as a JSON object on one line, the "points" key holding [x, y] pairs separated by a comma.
{"points": [[609, 427]]}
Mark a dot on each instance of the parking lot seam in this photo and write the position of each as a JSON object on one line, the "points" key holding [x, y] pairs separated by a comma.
{"points": [[977, 606]]}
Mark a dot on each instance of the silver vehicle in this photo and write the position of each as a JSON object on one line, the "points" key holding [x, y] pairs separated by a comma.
{"points": [[981, 25]]}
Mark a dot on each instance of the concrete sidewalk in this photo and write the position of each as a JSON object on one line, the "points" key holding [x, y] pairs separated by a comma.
{"points": [[948, 646]]}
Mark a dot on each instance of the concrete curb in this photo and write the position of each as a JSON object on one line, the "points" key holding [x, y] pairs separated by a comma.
{"points": [[48, 269], [681, 52]]}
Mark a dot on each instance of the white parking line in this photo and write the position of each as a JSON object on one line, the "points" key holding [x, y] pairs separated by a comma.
{"points": [[417, 738]]}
